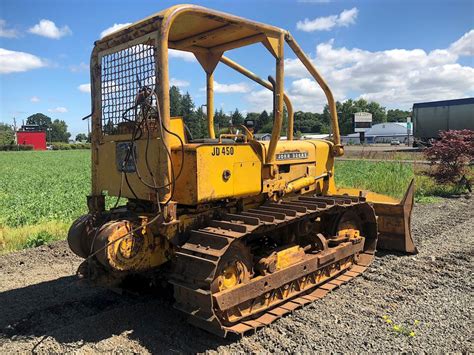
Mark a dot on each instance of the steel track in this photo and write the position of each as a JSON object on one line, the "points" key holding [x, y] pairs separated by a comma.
{"points": [[265, 298]]}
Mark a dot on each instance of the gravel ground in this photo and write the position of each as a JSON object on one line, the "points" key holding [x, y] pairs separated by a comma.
{"points": [[45, 308]]}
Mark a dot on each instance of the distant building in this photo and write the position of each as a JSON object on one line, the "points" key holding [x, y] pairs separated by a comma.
{"points": [[431, 118], [315, 136], [262, 136], [31, 135], [381, 133]]}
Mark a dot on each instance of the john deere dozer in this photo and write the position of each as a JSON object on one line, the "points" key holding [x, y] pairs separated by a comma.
{"points": [[245, 230]]}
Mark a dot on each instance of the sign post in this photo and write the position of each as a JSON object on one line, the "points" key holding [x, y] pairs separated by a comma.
{"points": [[362, 122], [408, 130]]}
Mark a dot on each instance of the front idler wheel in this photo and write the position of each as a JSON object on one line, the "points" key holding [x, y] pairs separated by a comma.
{"points": [[234, 268]]}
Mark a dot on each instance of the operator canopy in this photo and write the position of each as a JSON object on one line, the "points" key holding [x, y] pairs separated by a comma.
{"points": [[194, 28]]}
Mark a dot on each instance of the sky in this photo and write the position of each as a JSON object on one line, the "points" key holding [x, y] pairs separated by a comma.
{"points": [[393, 52]]}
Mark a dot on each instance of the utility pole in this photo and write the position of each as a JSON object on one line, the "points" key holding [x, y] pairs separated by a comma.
{"points": [[14, 130]]}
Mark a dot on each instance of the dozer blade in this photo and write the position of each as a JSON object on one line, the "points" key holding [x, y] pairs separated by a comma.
{"points": [[394, 221]]}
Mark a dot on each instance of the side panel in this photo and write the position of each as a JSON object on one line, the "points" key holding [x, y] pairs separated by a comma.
{"points": [[109, 177], [186, 185], [299, 159], [227, 171], [461, 117], [214, 172], [428, 121]]}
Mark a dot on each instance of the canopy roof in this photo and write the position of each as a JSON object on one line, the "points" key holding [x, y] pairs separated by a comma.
{"points": [[194, 28]]}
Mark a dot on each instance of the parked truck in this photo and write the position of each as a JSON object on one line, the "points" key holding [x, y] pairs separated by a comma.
{"points": [[429, 118]]}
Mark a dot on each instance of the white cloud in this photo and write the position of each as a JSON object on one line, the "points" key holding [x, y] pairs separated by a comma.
{"points": [[84, 88], [48, 28], [13, 61], [80, 68], [7, 32], [464, 45], [186, 56], [237, 88], [179, 83], [347, 17], [344, 19], [58, 110], [34, 99], [395, 77], [260, 100], [114, 28], [231, 88]]}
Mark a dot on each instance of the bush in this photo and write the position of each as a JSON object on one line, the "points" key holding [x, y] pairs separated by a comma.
{"points": [[16, 147], [38, 239], [450, 155], [67, 146]]}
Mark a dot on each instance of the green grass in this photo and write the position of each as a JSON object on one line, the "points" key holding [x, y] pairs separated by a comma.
{"points": [[385, 178], [16, 238], [41, 193], [392, 179], [43, 186]]}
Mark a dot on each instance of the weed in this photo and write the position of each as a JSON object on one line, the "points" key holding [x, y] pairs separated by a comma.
{"points": [[15, 238], [400, 329], [38, 239]]}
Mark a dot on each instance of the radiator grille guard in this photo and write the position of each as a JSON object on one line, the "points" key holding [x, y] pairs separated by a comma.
{"points": [[123, 74]]}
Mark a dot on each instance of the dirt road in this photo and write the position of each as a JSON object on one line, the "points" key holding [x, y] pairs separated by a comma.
{"points": [[43, 307]]}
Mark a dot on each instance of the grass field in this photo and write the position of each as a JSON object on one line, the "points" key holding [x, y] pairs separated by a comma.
{"points": [[41, 193]]}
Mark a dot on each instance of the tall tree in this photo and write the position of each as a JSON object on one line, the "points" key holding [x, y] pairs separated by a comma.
{"points": [[7, 135], [201, 123], [264, 120], [221, 120], [175, 102], [59, 131], [397, 115], [39, 119], [81, 137], [237, 118], [307, 122], [187, 106], [378, 112], [346, 110]]}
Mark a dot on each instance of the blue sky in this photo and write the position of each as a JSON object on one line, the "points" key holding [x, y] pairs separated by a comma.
{"points": [[393, 52]]}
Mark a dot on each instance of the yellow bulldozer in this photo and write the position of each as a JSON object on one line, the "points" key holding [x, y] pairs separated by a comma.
{"points": [[246, 231]]}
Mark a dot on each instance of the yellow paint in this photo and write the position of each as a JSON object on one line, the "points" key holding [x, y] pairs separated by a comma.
{"points": [[215, 171], [350, 233], [210, 172], [289, 257], [369, 195], [177, 127], [229, 277], [139, 251]]}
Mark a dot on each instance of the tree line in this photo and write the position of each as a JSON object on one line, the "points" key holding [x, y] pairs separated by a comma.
{"points": [[195, 119], [304, 122]]}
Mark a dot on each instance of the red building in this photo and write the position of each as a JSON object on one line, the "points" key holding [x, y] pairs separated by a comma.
{"points": [[31, 135]]}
